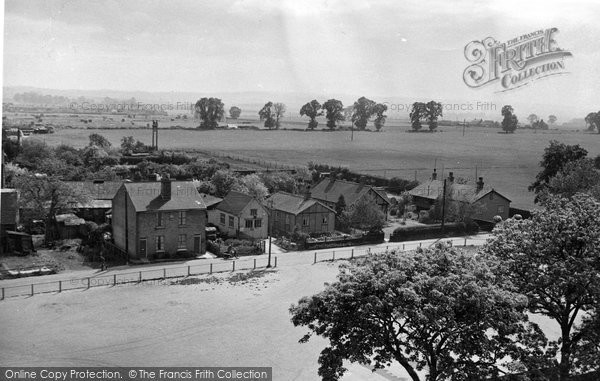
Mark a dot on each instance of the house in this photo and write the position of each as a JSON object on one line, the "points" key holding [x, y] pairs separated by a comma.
{"points": [[162, 219], [290, 211], [329, 190], [98, 195], [487, 201], [240, 215], [9, 216]]}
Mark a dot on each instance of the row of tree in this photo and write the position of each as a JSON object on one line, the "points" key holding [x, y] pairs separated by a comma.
{"points": [[429, 112]]}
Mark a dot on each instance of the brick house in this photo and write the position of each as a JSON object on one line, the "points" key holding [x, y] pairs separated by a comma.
{"points": [[487, 201], [153, 220], [240, 215], [289, 211], [329, 190]]}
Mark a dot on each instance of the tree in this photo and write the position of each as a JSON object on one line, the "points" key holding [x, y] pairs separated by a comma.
{"points": [[128, 144], [362, 112], [44, 197], [279, 181], [593, 121], [552, 119], [433, 110], [224, 181], [365, 214], [532, 118], [417, 112], [235, 112], [378, 111], [210, 111], [33, 153], [335, 112], [278, 112], [267, 113], [541, 125], [509, 121], [312, 109], [252, 185], [440, 310], [99, 141], [554, 259], [556, 155], [579, 176]]}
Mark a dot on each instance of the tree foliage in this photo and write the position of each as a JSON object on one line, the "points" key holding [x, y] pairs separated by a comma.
{"points": [[312, 109], [365, 214], [417, 113], [509, 121], [267, 113], [378, 111], [439, 311], [593, 121], [100, 141], [210, 111], [554, 259], [433, 110], [334, 112], [362, 112], [252, 185], [235, 112], [278, 113]]}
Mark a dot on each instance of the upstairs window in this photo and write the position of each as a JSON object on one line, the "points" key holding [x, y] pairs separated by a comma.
{"points": [[222, 218], [182, 217], [160, 243], [160, 219]]}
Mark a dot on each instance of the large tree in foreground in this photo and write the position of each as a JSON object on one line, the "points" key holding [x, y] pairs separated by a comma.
{"points": [[439, 311], [554, 259], [210, 111]]}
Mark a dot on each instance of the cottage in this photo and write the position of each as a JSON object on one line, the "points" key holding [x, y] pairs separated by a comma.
{"points": [[98, 195], [329, 190], [487, 201], [153, 220], [290, 211], [240, 215]]}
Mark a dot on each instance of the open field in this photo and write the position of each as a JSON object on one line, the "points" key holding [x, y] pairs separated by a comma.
{"points": [[507, 162]]}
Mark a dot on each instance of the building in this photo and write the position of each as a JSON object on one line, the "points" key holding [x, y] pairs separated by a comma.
{"points": [[9, 216], [154, 220], [98, 195], [290, 211], [487, 201], [329, 190], [240, 215]]}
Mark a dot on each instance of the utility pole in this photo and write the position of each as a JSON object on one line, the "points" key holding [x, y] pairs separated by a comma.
{"points": [[464, 125], [444, 205], [270, 231]]}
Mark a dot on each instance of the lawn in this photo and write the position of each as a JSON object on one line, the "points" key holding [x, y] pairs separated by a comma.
{"points": [[508, 163]]}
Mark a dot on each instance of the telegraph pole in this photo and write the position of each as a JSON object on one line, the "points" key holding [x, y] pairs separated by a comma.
{"points": [[444, 205], [270, 231]]}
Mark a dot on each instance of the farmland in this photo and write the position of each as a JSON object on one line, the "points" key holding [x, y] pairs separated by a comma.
{"points": [[509, 163]]}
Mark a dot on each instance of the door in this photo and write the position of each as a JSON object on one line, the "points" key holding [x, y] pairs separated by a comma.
{"points": [[143, 253], [197, 244]]}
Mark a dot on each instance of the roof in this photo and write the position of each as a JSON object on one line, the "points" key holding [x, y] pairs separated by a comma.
{"points": [[234, 202], [331, 189], [210, 200], [95, 190], [291, 203], [459, 192], [69, 219], [145, 196], [9, 208]]}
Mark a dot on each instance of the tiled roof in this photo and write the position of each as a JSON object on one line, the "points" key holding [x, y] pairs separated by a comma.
{"points": [[459, 192], [331, 189], [95, 190], [291, 203], [8, 206], [146, 196], [234, 202], [210, 200]]}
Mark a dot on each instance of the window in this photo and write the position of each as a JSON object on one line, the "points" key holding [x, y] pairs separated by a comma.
{"points": [[160, 242], [160, 219], [249, 224], [182, 217], [254, 212], [231, 222], [257, 223], [324, 221], [182, 241], [305, 221], [222, 218], [500, 209]]}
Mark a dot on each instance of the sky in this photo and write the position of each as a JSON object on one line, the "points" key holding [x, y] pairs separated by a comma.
{"points": [[385, 50]]}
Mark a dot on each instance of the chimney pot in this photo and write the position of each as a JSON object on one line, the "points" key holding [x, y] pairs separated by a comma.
{"points": [[434, 175], [165, 187], [307, 193], [480, 184], [451, 177]]}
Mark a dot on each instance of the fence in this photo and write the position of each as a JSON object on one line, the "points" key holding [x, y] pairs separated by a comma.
{"points": [[139, 276], [164, 273]]}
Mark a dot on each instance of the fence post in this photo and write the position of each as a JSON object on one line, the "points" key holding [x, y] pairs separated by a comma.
{"points": [[88, 281], [140, 277], [60, 286], [164, 273], [315, 261], [352, 254], [114, 280], [275, 261], [211, 268], [387, 248], [465, 242], [188, 270], [333, 257], [2, 293], [254, 263], [233, 266], [403, 247], [32, 289], [420, 243]]}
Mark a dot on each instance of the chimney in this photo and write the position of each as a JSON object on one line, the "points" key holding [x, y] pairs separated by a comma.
{"points": [[451, 177], [433, 175], [165, 187], [480, 184], [307, 194]]}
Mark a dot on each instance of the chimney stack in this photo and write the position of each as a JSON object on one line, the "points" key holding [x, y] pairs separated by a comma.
{"points": [[307, 194], [165, 187], [480, 184], [434, 175], [451, 177]]}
